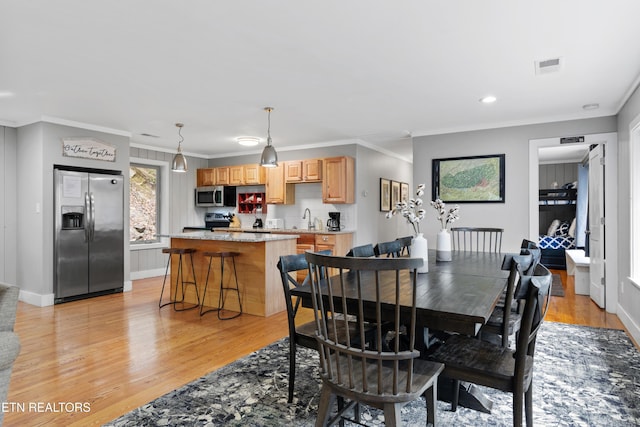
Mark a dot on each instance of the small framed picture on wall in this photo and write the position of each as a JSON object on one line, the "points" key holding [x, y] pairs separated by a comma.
{"points": [[395, 193], [385, 195], [404, 192]]}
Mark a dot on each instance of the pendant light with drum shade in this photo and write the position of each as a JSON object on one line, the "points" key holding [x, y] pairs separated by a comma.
{"points": [[269, 158], [179, 163]]}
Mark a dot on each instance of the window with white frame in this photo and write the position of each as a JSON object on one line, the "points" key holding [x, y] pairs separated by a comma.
{"points": [[144, 203]]}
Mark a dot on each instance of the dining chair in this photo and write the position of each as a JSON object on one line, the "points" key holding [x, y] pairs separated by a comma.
{"points": [[469, 359], [405, 243], [507, 322], [477, 239], [303, 334], [384, 378], [390, 249], [364, 251]]}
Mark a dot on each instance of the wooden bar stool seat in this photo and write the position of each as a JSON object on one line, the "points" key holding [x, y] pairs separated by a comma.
{"points": [[180, 252], [222, 296]]}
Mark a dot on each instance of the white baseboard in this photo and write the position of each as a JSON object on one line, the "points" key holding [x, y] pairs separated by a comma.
{"points": [[36, 299], [48, 299], [628, 323]]}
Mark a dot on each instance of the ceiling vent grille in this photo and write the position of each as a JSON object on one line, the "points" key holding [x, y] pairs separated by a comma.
{"points": [[546, 66]]}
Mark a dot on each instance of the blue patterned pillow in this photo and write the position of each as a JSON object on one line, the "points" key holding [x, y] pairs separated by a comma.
{"points": [[563, 229]]}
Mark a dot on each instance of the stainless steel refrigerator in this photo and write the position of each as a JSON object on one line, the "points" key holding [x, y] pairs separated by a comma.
{"points": [[89, 233]]}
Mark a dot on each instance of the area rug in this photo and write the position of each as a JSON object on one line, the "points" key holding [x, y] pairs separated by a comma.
{"points": [[583, 377], [556, 286]]}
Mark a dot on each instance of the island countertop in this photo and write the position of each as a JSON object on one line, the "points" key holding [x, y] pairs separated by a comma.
{"points": [[237, 236]]}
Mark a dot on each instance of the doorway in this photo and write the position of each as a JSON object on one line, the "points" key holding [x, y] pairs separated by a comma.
{"points": [[609, 140]]}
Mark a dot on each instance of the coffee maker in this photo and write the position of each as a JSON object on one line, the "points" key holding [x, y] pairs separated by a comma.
{"points": [[333, 223]]}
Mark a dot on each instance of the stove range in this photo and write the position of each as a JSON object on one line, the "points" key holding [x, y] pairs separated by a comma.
{"points": [[216, 220]]}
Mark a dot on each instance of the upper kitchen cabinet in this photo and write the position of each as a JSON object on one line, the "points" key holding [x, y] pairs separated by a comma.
{"points": [[309, 170], [254, 174], [277, 190], [338, 184], [236, 175], [222, 175], [205, 177]]}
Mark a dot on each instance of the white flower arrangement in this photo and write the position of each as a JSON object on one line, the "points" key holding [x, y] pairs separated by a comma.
{"points": [[446, 217], [411, 210]]}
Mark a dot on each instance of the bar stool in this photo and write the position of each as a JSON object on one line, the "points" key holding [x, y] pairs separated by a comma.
{"points": [[221, 298], [179, 278]]}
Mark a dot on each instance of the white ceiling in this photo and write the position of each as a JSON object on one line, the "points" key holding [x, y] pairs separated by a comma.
{"points": [[369, 70]]}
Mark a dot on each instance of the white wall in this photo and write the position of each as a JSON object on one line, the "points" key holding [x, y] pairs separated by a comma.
{"points": [[8, 213], [513, 214], [629, 294]]}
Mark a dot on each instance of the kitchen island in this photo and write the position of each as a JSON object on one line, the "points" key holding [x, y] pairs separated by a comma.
{"points": [[258, 276]]}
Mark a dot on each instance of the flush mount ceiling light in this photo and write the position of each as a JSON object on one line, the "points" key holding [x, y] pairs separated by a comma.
{"points": [[593, 106], [248, 141], [489, 99], [179, 163], [269, 158]]}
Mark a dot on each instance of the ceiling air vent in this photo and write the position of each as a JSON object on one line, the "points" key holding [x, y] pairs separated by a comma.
{"points": [[548, 65]]}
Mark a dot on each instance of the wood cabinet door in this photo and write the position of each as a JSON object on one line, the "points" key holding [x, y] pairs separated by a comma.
{"points": [[312, 170], [293, 171], [254, 174], [222, 175], [275, 185], [338, 184], [205, 177], [236, 175]]}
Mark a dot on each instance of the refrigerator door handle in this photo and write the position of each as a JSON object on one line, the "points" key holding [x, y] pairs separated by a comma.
{"points": [[92, 216], [87, 225]]}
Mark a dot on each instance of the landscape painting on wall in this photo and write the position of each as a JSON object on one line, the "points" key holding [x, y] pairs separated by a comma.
{"points": [[477, 179]]}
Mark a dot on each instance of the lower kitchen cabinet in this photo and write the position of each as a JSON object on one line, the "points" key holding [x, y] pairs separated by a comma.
{"points": [[338, 243]]}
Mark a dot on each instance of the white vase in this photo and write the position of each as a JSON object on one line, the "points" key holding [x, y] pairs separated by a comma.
{"points": [[419, 249], [443, 245]]}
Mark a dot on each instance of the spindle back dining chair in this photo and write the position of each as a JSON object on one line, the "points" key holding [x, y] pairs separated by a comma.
{"points": [[385, 377], [477, 239]]}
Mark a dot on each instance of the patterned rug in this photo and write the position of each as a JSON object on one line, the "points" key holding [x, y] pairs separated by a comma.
{"points": [[583, 377]]}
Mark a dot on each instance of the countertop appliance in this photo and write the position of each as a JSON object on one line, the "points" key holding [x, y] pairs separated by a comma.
{"points": [[333, 223], [215, 196], [274, 223], [217, 220], [89, 233]]}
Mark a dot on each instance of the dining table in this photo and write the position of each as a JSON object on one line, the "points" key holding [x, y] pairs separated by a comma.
{"points": [[456, 296]]}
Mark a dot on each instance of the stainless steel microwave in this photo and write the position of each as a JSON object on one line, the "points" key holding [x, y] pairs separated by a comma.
{"points": [[215, 196]]}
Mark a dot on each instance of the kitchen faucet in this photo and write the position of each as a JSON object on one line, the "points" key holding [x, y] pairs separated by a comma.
{"points": [[309, 225]]}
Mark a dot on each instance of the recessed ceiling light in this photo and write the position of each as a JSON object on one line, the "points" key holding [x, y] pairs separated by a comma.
{"points": [[488, 99], [6, 94], [248, 141], [593, 106]]}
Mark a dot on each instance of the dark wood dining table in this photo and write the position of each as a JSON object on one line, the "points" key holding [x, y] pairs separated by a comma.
{"points": [[455, 296]]}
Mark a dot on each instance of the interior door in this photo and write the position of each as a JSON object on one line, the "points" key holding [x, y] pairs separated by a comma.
{"points": [[596, 225]]}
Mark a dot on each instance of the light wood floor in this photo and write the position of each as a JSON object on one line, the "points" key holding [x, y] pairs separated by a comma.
{"points": [[117, 352]]}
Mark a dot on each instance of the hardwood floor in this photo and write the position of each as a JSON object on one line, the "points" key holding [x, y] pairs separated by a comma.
{"points": [[111, 354]]}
